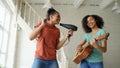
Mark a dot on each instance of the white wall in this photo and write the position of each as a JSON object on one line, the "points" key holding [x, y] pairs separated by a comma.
{"points": [[24, 47], [69, 14]]}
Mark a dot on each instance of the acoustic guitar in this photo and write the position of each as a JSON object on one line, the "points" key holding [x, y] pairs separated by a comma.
{"points": [[86, 49]]}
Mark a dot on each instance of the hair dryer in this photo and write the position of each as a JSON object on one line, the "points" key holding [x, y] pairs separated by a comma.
{"points": [[69, 26]]}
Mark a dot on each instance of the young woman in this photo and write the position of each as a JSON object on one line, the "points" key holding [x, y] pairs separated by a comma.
{"points": [[48, 35], [92, 25]]}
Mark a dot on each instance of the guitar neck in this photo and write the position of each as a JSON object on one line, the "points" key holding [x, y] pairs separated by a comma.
{"points": [[104, 36], [85, 45]]}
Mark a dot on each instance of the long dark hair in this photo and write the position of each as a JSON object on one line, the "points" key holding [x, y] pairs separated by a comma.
{"points": [[51, 11], [98, 19]]}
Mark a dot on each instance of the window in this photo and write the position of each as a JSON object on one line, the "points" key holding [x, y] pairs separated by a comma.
{"points": [[4, 34]]}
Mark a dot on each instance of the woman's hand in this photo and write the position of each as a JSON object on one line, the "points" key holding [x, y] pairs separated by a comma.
{"points": [[44, 20], [94, 43], [79, 48], [70, 32]]}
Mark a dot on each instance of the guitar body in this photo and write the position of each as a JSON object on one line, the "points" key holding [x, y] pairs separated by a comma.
{"points": [[82, 54]]}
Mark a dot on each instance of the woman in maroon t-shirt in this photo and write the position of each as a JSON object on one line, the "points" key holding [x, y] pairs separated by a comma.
{"points": [[48, 36]]}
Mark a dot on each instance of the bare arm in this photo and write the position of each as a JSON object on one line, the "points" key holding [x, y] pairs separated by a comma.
{"points": [[35, 32], [60, 43], [102, 48]]}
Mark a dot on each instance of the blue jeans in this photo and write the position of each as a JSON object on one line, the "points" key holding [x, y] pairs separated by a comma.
{"points": [[85, 64], [41, 63]]}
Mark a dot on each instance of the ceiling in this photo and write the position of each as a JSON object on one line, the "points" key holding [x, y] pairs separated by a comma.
{"points": [[78, 3], [101, 3]]}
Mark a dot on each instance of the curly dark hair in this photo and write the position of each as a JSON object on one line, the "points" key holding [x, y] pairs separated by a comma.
{"points": [[98, 19]]}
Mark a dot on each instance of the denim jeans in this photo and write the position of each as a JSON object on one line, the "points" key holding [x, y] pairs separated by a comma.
{"points": [[85, 64], [41, 63]]}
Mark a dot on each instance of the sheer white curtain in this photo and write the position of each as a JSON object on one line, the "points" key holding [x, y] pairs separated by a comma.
{"points": [[62, 59], [61, 56]]}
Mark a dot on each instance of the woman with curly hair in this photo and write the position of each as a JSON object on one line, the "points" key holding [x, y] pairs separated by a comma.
{"points": [[93, 27]]}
